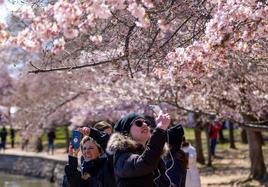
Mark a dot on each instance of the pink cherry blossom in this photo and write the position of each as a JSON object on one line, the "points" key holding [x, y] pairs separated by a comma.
{"points": [[96, 39], [70, 33], [58, 45]]}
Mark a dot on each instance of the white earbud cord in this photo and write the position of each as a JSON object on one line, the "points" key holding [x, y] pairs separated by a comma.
{"points": [[170, 183], [172, 164]]}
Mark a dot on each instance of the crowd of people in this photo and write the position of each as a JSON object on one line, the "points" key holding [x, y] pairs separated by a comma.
{"points": [[132, 154], [136, 151], [5, 132]]}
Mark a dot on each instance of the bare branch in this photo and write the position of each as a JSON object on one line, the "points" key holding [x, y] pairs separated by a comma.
{"points": [[176, 31], [64, 103], [38, 70], [127, 48]]}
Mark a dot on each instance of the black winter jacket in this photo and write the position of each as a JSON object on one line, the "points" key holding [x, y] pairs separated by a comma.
{"points": [[98, 169], [176, 164], [136, 166]]}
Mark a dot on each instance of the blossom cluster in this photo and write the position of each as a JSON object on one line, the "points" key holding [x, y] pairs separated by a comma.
{"points": [[237, 26], [66, 20]]}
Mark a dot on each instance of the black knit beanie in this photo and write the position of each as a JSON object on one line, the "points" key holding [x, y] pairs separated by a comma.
{"points": [[175, 135], [123, 125]]}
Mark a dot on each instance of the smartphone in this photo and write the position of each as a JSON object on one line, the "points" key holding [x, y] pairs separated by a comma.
{"points": [[76, 138], [156, 109]]}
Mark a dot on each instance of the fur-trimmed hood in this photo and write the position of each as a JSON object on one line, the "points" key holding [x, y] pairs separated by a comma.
{"points": [[120, 142]]}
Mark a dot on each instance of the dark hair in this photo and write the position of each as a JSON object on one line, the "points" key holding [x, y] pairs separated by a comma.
{"points": [[184, 142], [183, 157], [175, 135]]}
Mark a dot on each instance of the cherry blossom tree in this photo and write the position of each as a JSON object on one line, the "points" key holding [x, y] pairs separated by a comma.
{"points": [[135, 35], [239, 92]]}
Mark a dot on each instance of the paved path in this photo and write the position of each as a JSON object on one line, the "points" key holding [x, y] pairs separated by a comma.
{"points": [[59, 154]]}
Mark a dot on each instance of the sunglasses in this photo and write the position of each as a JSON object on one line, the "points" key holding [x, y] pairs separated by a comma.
{"points": [[139, 123]]}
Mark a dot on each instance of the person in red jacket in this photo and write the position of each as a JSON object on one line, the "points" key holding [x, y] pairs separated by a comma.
{"points": [[213, 130]]}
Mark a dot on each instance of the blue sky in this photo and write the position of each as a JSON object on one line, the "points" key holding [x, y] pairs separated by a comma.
{"points": [[3, 13], [6, 8]]}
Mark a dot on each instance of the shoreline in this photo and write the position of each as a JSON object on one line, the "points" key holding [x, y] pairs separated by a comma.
{"points": [[35, 166]]}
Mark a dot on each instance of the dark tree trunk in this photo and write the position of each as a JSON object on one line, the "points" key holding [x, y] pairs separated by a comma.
{"points": [[208, 148], [198, 143], [231, 135], [197, 133], [262, 140], [244, 138], [221, 136], [66, 131], [258, 170]]}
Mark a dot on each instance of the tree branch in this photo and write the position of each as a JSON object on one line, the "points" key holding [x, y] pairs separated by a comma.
{"points": [[38, 70], [64, 103], [127, 48], [176, 31]]}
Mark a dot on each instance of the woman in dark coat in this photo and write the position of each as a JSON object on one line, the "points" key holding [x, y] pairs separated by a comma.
{"points": [[137, 153], [176, 161], [94, 167]]}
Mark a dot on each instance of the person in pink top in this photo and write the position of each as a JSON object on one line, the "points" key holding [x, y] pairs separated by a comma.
{"points": [[213, 130]]}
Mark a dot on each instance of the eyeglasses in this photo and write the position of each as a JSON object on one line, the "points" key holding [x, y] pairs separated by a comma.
{"points": [[139, 123]]}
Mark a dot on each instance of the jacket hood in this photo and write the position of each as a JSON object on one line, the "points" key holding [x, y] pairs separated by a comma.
{"points": [[120, 142]]}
